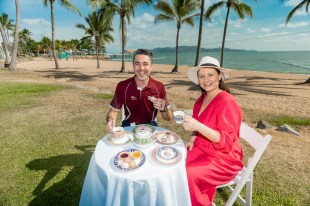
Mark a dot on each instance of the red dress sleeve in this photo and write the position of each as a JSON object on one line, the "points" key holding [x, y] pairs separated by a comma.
{"points": [[228, 121]]}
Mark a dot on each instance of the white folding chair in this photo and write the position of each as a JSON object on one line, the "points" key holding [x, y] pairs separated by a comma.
{"points": [[245, 176]]}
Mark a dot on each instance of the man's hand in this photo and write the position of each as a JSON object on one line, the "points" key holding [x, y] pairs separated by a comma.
{"points": [[111, 120], [159, 104], [110, 125]]}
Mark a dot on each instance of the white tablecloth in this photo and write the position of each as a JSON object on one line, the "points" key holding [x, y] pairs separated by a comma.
{"points": [[149, 185]]}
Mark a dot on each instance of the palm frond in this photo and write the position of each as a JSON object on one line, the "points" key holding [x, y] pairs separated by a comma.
{"points": [[80, 26], [68, 5], [163, 18], [299, 6], [242, 9], [212, 9], [188, 21], [166, 9]]}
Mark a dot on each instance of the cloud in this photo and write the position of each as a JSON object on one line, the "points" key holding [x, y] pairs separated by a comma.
{"points": [[145, 21], [292, 3], [301, 12], [265, 29], [36, 22], [295, 25], [148, 17]]}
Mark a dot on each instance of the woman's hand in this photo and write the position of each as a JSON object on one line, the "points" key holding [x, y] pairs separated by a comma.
{"points": [[190, 124], [189, 145]]}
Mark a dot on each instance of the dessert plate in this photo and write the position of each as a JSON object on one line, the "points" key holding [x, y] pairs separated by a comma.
{"points": [[166, 155], [127, 138], [167, 137], [131, 165]]}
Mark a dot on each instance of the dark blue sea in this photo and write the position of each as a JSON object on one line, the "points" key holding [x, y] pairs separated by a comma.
{"points": [[297, 62]]}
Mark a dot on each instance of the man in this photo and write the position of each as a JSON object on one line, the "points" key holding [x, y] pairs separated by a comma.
{"points": [[141, 95]]}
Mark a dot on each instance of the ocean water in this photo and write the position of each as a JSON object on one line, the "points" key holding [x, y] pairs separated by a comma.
{"points": [[297, 62]]}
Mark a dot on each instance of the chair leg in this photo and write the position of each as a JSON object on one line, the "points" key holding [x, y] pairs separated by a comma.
{"points": [[249, 188]]}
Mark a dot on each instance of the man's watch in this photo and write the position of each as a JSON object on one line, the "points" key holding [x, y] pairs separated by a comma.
{"points": [[164, 110]]}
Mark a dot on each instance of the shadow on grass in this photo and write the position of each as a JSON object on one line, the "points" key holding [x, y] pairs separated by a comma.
{"points": [[67, 191]]}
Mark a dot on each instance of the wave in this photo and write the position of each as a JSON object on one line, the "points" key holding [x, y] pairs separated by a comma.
{"points": [[296, 65]]}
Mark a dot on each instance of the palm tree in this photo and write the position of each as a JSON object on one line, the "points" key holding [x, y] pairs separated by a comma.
{"points": [[305, 3], [45, 45], [24, 39], [180, 11], [200, 31], [67, 5], [100, 28], [15, 47], [125, 9], [241, 10], [5, 26], [5, 45]]}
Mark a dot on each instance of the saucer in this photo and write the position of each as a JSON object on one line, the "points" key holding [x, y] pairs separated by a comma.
{"points": [[126, 139], [117, 163], [166, 155], [167, 137]]}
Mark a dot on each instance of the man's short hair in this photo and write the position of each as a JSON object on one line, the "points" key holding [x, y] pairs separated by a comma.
{"points": [[143, 52]]}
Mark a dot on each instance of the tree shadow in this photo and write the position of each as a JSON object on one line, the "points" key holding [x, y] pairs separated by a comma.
{"points": [[79, 76], [177, 83], [68, 190]]}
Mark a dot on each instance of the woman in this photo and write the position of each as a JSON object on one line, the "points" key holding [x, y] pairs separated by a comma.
{"points": [[214, 154]]}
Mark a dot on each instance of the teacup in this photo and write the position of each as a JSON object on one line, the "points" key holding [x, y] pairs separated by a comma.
{"points": [[124, 156], [136, 156], [118, 133], [179, 116]]}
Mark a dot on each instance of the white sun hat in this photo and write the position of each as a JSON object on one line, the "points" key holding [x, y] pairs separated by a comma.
{"points": [[206, 62]]}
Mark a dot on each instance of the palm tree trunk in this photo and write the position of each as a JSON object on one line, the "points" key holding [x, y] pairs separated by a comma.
{"points": [[200, 32], [175, 69], [123, 44], [53, 35], [6, 50], [224, 37], [97, 52], [16, 37]]}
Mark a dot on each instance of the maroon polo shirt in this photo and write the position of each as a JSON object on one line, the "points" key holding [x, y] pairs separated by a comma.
{"points": [[138, 108]]}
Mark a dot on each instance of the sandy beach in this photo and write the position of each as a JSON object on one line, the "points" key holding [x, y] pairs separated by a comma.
{"points": [[267, 92]]}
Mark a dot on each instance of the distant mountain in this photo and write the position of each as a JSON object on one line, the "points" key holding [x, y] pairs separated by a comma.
{"points": [[193, 49]]}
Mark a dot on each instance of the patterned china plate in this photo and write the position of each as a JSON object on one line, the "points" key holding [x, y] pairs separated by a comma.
{"points": [[167, 137], [127, 139], [166, 155], [117, 162]]}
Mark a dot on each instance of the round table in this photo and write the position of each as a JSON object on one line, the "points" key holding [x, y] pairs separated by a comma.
{"points": [[149, 185]]}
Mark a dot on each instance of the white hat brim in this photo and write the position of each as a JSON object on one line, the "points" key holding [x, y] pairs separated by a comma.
{"points": [[192, 72]]}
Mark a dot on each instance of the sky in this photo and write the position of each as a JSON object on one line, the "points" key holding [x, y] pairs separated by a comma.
{"points": [[266, 31]]}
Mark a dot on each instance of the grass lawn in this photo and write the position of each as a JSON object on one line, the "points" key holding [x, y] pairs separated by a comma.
{"points": [[48, 134]]}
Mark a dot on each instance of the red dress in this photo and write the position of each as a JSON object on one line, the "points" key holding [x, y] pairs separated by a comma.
{"points": [[210, 164]]}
